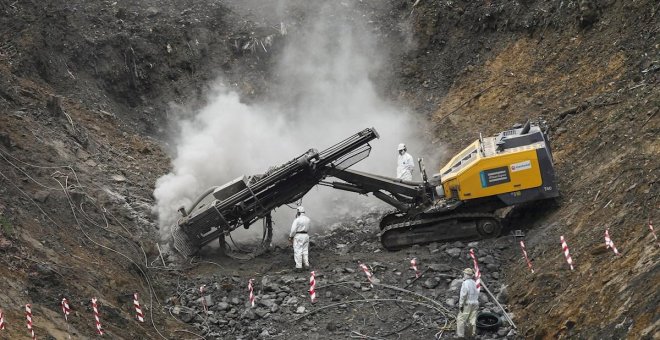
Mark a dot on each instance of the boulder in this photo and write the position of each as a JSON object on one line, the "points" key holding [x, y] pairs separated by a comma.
{"points": [[503, 295], [208, 300], [290, 301], [5, 139], [186, 315], [487, 259], [261, 312], [222, 306], [430, 283], [483, 298], [41, 196], [503, 331], [287, 279], [455, 284], [439, 267], [453, 252], [249, 315]]}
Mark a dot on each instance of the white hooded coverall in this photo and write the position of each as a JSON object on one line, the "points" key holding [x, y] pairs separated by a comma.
{"points": [[404, 167], [468, 304], [299, 230]]}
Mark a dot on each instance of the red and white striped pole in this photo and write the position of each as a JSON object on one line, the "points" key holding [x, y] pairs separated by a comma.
{"points": [[312, 287], [529, 264], [2, 320], [28, 316], [251, 289], [65, 309], [138, 310], [653, 231], [413, 265], [477, 273], [97, 319], [366, 271], [564, 247], [609, 243], [201, 293]]}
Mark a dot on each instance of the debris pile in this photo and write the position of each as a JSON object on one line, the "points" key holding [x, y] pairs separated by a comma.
{"points": [[392, 300]]}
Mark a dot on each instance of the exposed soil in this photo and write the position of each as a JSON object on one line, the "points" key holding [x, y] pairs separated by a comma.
{"points": [[86, 89]]}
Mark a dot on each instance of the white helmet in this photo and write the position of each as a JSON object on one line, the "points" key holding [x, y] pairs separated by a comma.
{"points": [[301, 210], [401, 147]]}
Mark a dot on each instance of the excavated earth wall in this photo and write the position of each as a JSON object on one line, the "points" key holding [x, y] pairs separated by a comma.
{"points": [[87, 90]]}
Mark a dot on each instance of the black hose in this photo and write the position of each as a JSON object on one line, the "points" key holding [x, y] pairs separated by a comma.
{"points": [[199, 199]]}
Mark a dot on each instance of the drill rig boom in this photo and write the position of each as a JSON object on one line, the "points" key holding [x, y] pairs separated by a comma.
{"points": [[245, 200]]}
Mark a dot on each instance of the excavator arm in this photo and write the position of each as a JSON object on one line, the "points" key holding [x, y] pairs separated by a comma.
{"points": [[402, 195]]}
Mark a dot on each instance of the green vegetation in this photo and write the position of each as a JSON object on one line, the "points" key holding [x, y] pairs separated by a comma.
{"points": [[7, 228]]}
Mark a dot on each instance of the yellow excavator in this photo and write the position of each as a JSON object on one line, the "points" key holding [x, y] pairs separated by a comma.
{"points": [[460, 202]]}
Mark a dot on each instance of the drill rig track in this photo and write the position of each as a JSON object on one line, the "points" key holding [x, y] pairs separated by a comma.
{"points": [[400, 230]]}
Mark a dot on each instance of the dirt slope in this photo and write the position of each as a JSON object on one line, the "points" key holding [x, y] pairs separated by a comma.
{"points": [[596, 87], [85, 89]]}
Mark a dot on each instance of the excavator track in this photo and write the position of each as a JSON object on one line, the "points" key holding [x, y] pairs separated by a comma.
{"points": [[400, 231]]}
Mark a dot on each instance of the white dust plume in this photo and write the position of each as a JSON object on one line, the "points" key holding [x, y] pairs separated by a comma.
{"points": [[324, 93]]}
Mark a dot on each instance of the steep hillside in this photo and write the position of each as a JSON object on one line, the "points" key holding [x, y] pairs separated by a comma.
{"points": [[88, 90], [83, 87], [596, 87]]}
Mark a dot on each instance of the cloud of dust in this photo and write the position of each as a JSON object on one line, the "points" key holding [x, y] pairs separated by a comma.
{"points": [[324, 94]]}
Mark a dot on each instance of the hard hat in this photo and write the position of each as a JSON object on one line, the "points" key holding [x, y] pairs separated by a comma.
{"points": [[401, 147], [468, 271], [301, 210]]}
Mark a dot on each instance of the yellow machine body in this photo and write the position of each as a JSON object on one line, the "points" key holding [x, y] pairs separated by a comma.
{"points": [[480, 170]]}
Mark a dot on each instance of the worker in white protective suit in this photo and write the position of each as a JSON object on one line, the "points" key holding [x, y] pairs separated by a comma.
{"points": [[468, 306], [405, 164], [299, 238]]}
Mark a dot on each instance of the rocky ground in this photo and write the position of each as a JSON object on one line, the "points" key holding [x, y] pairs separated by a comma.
{"points": [[87, 89], [347, 306]]}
